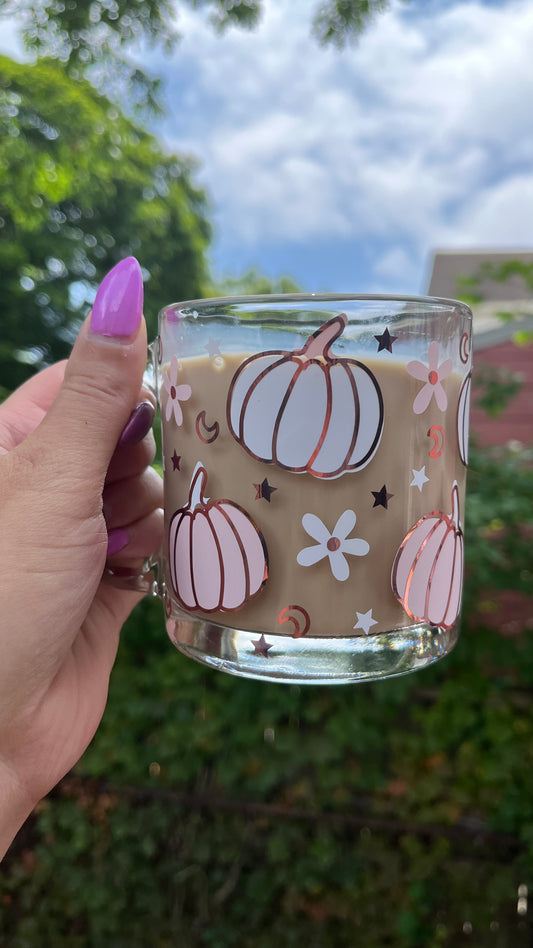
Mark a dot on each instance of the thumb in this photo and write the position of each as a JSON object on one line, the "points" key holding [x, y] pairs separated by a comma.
{"points": [[102, 378]]}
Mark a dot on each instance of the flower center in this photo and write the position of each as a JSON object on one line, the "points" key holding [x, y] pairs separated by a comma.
{"points": [[172, 391], [333, 544], [433, 377]]}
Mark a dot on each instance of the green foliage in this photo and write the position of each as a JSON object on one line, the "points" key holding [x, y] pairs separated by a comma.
{"points": [[340, 21], [211, 811], [252, 283], [500, 521], [495, 387], [95, 39], [91, 188]]}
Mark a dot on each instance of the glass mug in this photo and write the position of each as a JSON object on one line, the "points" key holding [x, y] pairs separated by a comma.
{"points": [[314, 456]]}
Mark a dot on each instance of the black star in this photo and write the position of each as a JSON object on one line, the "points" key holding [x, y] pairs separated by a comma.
{"points": [[381, 498], [176, 458], [264, 490], [385, 341], [261, 647]]}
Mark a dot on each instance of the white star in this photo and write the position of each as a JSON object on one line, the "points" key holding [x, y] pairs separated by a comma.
{"points": [[419, 478], [213, 347], [365, 621]]}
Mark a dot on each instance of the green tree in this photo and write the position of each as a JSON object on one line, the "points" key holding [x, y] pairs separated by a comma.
{"points": [[81, 187], [92, 38], [252, 283]]}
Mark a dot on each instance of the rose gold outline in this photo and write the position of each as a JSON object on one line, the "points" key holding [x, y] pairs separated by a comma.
{"points": [[286, 618], [452, 523], [244, 558], [447, 532], [433, 453], [326, 362], [215, 427], [357, 403], [203, 510], [300, 367], [249, 394], [410, 575], [462, 349], [461, 440], [458, 545]]}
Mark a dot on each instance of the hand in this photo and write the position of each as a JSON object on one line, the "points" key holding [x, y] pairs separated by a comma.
{"points": [[71, 495]]}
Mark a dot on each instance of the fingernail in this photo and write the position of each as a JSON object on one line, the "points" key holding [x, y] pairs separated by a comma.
{"points": [[116, 540], [118, 305], [138, 424]]}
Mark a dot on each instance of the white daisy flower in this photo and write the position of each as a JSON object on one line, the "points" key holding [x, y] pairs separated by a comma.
{"points": [[334, 545]]}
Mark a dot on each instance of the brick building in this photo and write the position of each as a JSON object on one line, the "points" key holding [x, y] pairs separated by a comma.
{"points": [[494, 339]]}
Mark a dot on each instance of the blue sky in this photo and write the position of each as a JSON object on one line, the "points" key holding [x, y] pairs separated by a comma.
{"points": [[346, 169]]}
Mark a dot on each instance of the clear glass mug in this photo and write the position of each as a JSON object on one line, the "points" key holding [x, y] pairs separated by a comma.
{"points": [[314, 455]]}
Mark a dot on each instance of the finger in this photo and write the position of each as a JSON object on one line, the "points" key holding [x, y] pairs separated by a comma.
{"points": [[24, 410], [144, 538], [102, 380], [130, 461], [128, 500]]}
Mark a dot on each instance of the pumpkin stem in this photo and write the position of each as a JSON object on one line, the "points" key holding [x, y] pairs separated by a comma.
{"points": [[455, 504], [321, 341], [198, 483]]}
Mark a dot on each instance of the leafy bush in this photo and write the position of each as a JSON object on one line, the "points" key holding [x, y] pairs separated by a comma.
{"points": [[219, 812]]}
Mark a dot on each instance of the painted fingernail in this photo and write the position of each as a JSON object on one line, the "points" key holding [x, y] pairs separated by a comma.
{"points": [[116, 540], [138, 424], [118, 305]]}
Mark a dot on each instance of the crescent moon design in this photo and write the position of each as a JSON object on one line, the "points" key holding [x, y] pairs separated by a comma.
{"points": [[464, 348], [436, 432], [300, 621], [206, 433]]}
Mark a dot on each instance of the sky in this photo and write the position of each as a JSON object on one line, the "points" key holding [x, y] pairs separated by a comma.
{"points": [[346, 169]]}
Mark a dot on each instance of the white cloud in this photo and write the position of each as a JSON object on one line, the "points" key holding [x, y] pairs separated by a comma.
{"points": [[501, 215], [396, 264], [422, 130], [420, 135]]}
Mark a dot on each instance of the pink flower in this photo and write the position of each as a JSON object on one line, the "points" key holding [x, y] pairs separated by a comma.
{"points": [[432, 375], [175, 392]]}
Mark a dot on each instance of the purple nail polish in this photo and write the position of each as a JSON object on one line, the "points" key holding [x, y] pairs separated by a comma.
{"points": [[116, 540], [138, 424], [118, 305]]}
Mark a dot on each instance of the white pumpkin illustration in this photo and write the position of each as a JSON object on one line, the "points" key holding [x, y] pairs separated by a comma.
{"points": [[463, 416], [307, 410]]}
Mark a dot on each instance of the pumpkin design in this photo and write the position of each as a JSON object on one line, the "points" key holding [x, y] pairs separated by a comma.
{"points": [[307, 410], [427, 572], [463, 416], [218, 558]]}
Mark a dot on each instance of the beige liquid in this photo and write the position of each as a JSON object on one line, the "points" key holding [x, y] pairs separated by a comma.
{"points": [[331, 605]]}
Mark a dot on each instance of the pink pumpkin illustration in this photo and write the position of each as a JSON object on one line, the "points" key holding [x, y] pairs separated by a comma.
{"points": [[218, 558], [307, 410], [427, 574]]}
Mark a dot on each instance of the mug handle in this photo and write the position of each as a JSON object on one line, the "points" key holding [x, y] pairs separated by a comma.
{"points": [[142, 578]]}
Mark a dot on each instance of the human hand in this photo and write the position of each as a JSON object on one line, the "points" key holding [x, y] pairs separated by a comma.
{"points": [[71, 495]]}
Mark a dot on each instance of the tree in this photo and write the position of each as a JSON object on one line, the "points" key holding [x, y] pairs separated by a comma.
{"points": [[252, 283], [81, 187], [91, 38]]}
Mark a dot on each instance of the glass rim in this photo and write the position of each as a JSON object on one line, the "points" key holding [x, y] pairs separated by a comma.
{"points": [[322, 298]]}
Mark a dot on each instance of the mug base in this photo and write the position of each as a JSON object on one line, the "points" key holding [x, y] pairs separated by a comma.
{"points": [[311, 661]]}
